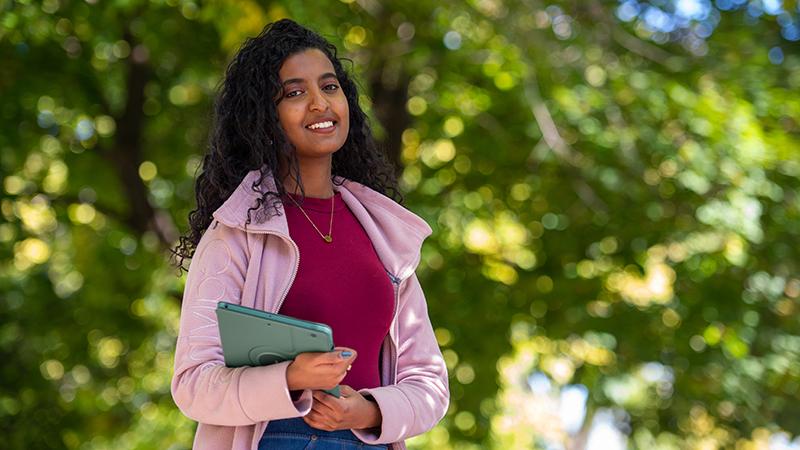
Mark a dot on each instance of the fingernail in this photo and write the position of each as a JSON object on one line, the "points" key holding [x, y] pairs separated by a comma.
{"points": [[346, 354]]}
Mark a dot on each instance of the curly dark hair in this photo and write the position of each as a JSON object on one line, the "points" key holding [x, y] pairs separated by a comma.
{"points": [[246, 134]]}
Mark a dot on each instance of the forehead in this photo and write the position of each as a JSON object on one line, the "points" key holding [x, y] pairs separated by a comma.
{"points": [[308, 64]]}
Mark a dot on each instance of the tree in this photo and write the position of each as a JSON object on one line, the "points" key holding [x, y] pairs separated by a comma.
{"points": [[612, 187]]}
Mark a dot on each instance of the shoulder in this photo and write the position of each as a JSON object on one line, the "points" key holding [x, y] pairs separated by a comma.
{"points": [[221, 243], [380, 204]]}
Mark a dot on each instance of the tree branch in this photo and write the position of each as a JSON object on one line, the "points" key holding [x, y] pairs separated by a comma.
{"points": [[126, 154], [648, 51], [562, 150]]}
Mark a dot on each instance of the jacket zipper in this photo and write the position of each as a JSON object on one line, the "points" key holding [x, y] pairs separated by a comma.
{"points": [[296, 251], [294, 271], [392, 346]]}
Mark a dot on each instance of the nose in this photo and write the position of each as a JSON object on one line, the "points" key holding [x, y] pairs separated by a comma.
{"points": [[318, 101]]}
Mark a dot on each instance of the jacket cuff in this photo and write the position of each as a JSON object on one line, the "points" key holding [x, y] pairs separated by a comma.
{"points": [[264, 395], [393, 404]]}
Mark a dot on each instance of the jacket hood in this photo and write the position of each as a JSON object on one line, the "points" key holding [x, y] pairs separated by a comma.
{"points": [[396, 233]]}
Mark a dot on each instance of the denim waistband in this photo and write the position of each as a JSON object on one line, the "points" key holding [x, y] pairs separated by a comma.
{"points": [[298, 426]]}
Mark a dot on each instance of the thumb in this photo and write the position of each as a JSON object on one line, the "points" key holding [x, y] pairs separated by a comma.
{"points": [[342, 353], [346, 391], [345, 353]]}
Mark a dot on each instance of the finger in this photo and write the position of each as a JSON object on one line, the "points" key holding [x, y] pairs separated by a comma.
{"points": [[333, 404], [322, 396], [346, 391], [323, 404], [334, 373], [309, 355], [310, 419], [339, 368], [342, 353], [321, 413], [333, 357], [311, 359], [318, 421]]}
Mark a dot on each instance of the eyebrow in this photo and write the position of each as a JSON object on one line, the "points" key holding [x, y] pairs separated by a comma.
{"points": [[301, 80]]}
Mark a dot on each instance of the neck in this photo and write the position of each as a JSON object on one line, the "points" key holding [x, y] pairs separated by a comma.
{"points": [[315, 175]]}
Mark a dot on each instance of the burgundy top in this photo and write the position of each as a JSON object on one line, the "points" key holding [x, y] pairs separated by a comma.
{"points": [[342, 284]]}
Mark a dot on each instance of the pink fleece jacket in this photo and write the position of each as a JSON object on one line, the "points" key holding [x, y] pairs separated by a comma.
{"points": [[254, 265]]}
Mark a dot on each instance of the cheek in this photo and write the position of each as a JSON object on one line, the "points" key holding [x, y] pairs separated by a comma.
{"points": [[343, 111], [286, 116]]}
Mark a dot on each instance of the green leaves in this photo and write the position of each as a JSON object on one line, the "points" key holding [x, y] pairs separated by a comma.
{"points": [[614, 207]]}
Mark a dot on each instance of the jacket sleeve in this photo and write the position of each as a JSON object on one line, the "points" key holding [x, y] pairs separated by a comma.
{"points": [[420, 396], [203, 388]]}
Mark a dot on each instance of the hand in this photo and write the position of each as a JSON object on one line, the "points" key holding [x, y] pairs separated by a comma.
{"points": [[319, 370], [350, 411]]}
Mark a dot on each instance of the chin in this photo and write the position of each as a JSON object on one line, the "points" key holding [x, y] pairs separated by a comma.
{"points": [[318, 152], [324, 149]]}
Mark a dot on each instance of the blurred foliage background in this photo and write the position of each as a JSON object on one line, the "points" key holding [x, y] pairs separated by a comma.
{"points": [[613, 188]]}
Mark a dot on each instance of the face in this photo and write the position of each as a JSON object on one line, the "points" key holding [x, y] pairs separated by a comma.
{"points": [[312, 108]]}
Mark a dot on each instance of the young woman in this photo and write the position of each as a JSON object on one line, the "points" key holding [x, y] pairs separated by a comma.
{"points": [[299, 213]]}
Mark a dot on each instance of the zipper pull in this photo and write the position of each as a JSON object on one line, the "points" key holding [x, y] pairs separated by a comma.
{"points": [[394, 279]]}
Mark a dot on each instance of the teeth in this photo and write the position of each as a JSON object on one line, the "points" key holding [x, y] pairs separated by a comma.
{"points": [[325, 124]]}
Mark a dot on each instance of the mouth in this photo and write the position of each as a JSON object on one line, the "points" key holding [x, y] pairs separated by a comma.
{"points": [[323, 127]]}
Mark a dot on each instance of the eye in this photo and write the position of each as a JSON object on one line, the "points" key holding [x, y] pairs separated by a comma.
{"points": [[292, 93], [332, 85]]}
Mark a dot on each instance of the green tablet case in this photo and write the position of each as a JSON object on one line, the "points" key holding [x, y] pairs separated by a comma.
{"points": [[251, 337]]}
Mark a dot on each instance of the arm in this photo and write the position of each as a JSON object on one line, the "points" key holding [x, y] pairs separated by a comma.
{"points": [[420, 396], [203, 388]]}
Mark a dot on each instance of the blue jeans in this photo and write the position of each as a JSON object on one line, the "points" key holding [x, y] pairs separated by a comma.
{"points": [[295, 433]]}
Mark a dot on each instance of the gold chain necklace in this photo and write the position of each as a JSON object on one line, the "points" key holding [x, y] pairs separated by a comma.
{"points": [[326, 237]]}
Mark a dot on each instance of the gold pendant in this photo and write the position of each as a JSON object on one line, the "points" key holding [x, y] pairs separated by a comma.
{"points": [[327, 238]]}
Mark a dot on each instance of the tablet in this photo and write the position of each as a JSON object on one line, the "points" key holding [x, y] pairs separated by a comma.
{"points": [[251, 337]]}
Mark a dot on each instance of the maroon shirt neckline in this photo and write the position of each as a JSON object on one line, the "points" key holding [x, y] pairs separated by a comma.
{"points": [[316, 204], [342, 284]]}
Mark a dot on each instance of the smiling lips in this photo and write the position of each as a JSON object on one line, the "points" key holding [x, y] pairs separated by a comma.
{"points": [[325, 126]]}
